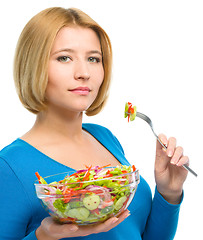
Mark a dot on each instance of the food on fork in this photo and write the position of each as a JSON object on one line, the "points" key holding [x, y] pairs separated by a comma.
{"points": [[130, 111]]}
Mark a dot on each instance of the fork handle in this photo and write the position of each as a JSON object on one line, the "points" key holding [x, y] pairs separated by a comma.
{"points": [[189, 169], [184, 165]]}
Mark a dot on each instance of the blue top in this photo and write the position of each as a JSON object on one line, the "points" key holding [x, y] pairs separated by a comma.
{"points": [[21, 211]]}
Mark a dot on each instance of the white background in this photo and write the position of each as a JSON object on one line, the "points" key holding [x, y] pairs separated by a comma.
{"points": [[158, 65]]}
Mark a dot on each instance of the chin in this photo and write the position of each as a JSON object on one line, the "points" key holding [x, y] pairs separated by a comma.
{"points": [[83, 104], [81, 107], [73, 105]]}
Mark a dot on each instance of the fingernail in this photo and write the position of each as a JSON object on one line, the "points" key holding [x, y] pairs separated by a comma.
{"points": [[173, 161], [170, 153], [74, 228], [127, 214], [114, 220]]}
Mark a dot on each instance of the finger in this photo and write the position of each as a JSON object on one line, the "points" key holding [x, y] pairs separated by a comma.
{"points": [[54, 229], [69, 228], [118, 220], [183, 161], [161, 157], [48, 225], [112, 222], [101, 227], [163, 139], [105, 226], [171, 147], [177, 155]]}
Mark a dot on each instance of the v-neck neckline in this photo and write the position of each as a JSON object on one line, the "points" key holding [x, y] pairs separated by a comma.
{"points": [[85, 128]]}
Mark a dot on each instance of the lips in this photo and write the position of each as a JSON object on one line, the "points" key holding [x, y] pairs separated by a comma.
{"points": [[80, 90]]}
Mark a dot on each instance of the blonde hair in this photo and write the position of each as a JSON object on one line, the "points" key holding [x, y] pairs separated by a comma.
{"points": [[33, 53]]}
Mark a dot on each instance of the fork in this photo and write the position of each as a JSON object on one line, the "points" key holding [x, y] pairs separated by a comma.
{"points": [[149, 121]]}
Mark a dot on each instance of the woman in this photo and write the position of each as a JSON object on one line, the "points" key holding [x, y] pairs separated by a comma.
{"points": [[62, 68]]}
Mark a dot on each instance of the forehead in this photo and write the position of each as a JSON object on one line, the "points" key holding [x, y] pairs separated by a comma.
{"points": [[76, 38]]}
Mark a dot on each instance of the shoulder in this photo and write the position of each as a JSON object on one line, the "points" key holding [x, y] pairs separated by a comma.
{"points": [[8, 149], [18, 156], [10, 157], [12, 150], [95, 128], [102, 133], [98, 130]]}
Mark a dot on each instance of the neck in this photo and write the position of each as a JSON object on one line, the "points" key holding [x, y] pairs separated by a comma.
{"points": [[56, 124]]}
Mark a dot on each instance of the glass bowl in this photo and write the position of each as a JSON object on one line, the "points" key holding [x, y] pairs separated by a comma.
{"points": [[87, 202]]}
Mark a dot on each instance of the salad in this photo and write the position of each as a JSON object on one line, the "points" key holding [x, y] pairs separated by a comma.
{"points": [[89, 195], [130, 111]]}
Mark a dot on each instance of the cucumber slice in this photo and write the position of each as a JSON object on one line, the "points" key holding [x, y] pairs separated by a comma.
{"points": [[126, 110], [107, 210], [79, 213], [91, 202], [132, 116], [75, 204], [92, 218], [120, 202]]}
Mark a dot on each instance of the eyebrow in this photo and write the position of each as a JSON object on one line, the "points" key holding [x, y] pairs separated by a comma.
{"points": [[72, 51]]}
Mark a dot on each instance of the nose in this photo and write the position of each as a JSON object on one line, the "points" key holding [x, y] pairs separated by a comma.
{"points": [[82, 71]]}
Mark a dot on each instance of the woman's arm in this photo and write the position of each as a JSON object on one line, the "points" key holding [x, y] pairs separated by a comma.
{"points": [[169, 173], [170, 176], [15, 206], [163, 219]]}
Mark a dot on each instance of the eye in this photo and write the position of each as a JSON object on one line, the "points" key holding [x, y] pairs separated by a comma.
{"points": [[94, 59], [64, 59]]}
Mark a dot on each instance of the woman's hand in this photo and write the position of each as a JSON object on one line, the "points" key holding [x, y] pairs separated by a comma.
{"points": [[49, 230], [169, 174]]}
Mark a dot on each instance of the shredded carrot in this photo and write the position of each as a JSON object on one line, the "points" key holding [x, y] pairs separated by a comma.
{"points": [[114, 198], [87, 174], [104, 166], [130, 110], [38, 176], [134, 168]]}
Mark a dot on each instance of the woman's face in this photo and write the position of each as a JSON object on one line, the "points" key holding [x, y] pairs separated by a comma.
{"points": [[75, 71]]}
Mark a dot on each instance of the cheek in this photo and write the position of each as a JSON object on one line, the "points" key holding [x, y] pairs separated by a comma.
{"points": [[57, 76], [54, 82], [52, 75]]}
